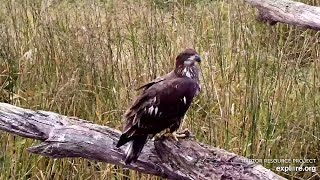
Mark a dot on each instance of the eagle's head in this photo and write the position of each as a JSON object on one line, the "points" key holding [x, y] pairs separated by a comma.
{"points": [[185, 64]]}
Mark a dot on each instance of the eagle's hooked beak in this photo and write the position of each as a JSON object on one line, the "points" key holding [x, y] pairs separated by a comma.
{"points": [[195, 57]]}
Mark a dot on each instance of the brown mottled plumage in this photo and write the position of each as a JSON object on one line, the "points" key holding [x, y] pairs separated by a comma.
{"points": [[162, 104]]}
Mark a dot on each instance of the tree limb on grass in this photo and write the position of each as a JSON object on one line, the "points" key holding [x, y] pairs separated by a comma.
{"points": [[63, 136], [289, 12]]}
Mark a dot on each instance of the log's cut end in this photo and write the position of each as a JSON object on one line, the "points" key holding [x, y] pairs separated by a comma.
{"points": [[288, 12]]}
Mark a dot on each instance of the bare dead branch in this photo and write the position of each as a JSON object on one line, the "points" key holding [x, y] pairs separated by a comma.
{"points": [[289, 12], [70, 137]]}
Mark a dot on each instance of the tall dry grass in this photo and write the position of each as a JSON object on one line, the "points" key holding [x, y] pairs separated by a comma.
{"points": [[261, 84]]}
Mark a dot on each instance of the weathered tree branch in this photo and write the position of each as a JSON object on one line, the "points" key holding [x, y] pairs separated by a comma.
{"points": [[286, 11], [69, 137]]}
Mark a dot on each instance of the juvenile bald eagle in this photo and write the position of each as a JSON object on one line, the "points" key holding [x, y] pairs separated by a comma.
{"points": [[162, 104]]}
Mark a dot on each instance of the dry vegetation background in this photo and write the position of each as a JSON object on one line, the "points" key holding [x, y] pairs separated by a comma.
{"points": [[261, 84]]}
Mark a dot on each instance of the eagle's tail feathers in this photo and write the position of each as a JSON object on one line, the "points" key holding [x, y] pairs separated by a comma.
{"points": [[134, 148], [123, 139]]}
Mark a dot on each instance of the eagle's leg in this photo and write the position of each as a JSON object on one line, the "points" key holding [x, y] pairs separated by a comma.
{"points": [[171, 131]]}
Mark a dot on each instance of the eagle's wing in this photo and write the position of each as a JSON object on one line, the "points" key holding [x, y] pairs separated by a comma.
{"points": [[157, 80], [160, 106], [147, 85]]}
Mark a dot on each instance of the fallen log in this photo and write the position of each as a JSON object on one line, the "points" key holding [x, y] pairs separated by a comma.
{"points": [[289, 12], [63, 136]]}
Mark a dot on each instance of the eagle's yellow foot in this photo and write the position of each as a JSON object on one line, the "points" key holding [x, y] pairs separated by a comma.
{"points": [[182, 134], [166, 134], [186, 133], [173, 136]]}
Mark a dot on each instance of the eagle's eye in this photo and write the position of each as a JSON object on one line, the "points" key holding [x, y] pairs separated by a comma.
{"points": [[191, 59], [194, 57]]}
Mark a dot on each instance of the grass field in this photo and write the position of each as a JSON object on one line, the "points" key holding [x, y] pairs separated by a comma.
{"points": [[261, 84]]}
